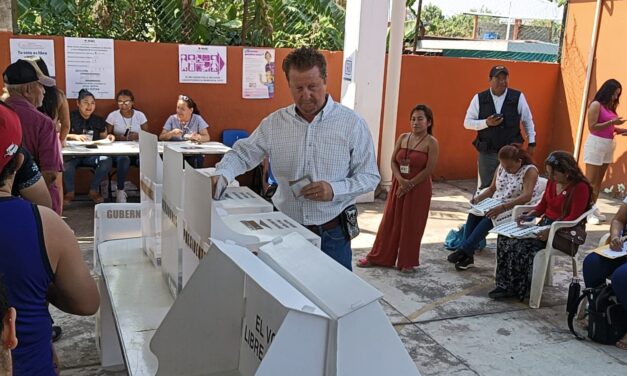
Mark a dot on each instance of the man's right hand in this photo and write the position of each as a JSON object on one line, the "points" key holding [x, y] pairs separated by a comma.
{"points": [[493, 121]]}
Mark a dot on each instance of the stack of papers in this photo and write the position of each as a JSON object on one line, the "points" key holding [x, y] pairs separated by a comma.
{"points": [[513, 230], [606, 251], [481, 208]]}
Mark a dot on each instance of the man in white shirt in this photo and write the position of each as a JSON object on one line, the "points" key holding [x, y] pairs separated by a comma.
{"points": [[323, 145], [496, 115]]}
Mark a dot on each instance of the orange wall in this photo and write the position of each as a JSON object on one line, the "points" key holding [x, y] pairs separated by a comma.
{"points": [[150, 71], [447, 86], [608, 63]]}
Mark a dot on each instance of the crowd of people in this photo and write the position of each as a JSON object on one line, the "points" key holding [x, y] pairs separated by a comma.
{"points": [[315, 144]]}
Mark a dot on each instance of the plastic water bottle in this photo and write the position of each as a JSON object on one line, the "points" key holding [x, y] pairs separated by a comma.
{"points": [[90, 135]]}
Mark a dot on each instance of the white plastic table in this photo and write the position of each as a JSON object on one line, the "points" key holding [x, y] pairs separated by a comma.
{"points": [[79, 148]]}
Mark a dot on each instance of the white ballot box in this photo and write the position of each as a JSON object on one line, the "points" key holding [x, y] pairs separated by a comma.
{"points": [[150, 176], [242, 200], [111, 222], [362, 341], [237, 316]]}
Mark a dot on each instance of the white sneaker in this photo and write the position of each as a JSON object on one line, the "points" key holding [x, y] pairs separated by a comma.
{"points": [[597, 213], [120, 196], [593, 220]]}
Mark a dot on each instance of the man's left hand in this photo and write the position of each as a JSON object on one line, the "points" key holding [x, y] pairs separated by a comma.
{"points": [[318, 191]]}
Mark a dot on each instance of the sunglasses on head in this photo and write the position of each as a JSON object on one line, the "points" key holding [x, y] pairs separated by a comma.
{"points": [[184, 97]]}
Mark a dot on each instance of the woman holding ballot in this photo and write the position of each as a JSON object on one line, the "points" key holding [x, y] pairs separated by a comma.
{"points": [[186, 124], [125, 124], [596, 268], [407, 209], [566, 197], [515, 183]]}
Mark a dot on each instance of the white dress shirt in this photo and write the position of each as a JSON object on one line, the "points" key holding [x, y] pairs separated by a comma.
{"points": [[335, 147], [473, 122]]}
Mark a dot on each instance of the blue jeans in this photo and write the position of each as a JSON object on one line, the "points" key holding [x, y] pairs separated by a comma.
{"points": [[101, 164], [336, 246], [477, 229], [487, 164], [122, 164], [597, 268], [196, 161]]}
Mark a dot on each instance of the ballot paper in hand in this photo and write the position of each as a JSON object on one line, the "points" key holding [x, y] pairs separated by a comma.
{"points": [[220, 188], [483, 207], [514, 230], [297, 185]]}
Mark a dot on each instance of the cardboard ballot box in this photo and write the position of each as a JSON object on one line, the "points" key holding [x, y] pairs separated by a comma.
{"points": [[236, 316], [150, 176], [361, 338], [111, 221]]}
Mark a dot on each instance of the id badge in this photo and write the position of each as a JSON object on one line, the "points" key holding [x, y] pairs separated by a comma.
{"points": [[404, 167]]}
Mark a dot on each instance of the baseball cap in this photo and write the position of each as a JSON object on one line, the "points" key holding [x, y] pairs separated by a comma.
{"points": [[497, 69], [10, 135], [25, 72]]}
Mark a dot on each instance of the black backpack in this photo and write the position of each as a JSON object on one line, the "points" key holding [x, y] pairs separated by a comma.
{"points": [[607, 321]]}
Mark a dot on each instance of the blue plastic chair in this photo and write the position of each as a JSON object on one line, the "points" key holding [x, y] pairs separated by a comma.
{"points": [[230, 136]]}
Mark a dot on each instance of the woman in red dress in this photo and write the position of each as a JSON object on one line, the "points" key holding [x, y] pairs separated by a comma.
{"points": [[406, 212]]}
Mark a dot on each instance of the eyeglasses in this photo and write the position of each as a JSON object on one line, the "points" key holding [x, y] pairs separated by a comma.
{"points": [[126, 103]]}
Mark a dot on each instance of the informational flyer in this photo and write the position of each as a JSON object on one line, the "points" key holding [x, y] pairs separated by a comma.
{"points": [[32, 48], [202, 64], [258, 73], [89, 64]]}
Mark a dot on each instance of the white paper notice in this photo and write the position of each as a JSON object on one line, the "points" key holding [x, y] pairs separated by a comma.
{"points": [[89, 64], [258, 73], [30, 48], [202, 64]]}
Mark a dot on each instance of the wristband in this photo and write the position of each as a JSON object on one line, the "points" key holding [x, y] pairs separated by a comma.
{"points": [[532, 144]]}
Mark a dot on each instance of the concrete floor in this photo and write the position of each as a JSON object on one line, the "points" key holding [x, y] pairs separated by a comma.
{"points": [[444, 317]]}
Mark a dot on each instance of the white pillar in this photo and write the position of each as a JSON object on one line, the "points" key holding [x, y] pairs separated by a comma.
{"points": [[364, 62], [393, 78]]}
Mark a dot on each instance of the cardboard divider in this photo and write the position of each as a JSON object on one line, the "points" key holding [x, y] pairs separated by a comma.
{"points": [[150, 179], [236, 316]]}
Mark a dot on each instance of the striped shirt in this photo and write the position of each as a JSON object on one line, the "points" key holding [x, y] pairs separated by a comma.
{"points": [[335, 147]]}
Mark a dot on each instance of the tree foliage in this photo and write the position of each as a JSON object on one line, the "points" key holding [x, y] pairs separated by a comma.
{"points": [[277, 23]]}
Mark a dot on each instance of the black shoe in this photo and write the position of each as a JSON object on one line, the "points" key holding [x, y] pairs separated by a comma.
{"points": [[455, 256], [56, 333], [500, 293], [465, 263]]}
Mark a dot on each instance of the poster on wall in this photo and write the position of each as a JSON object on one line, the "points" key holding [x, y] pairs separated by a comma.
{"points": [[89, 64], [32, 48], [202, 64], [258, 73]]}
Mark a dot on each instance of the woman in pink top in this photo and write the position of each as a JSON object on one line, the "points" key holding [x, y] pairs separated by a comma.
{"points": [[598, 151]]}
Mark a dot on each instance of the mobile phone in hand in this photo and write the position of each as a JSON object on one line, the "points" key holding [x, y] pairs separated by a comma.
{"points": [[497, 116]]}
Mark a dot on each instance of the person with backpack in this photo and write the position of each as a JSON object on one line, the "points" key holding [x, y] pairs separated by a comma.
{"points": [[596, 268]]}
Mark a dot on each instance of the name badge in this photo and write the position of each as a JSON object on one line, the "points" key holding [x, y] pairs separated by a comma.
{"points": [[404, 167]]}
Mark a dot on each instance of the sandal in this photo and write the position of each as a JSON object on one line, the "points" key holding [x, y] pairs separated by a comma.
{"points": [[407, 270], [96, 197], [364, 263], [622, 343]]}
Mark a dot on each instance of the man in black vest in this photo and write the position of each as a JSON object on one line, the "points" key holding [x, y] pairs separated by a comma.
{"points": [[496, 115]]}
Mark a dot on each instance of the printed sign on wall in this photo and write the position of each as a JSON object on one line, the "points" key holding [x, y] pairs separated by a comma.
{"points": [[89, 64], [31, 48], [202, 64], [258, 73]]}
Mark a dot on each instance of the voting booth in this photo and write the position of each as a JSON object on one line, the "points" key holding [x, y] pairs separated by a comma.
{"points": [[150, 178], [246, 315], [236, 316], [111, 222]]}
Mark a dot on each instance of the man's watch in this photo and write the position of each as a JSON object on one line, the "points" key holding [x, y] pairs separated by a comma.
{"points": [[532, 144]]}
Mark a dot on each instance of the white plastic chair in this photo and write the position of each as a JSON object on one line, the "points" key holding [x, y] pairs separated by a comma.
{"points": [[543, 261]]}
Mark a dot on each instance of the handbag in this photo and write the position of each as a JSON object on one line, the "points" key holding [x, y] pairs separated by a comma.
{"points": [[568, 239]]}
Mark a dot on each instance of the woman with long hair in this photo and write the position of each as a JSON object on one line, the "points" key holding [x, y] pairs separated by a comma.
{"points": [[405, 215], [566, 197], [598, 151]]}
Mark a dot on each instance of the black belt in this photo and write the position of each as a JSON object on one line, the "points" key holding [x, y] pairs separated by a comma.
{"points": [[317, 229]]}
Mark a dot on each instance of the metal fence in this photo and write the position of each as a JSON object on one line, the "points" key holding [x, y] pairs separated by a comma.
{"points": [[275, 23], [515, 30]]}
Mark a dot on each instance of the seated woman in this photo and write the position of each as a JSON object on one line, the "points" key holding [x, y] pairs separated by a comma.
{"points": [[566, 197], [125, 124], [515, 183], [596, 268], [186, 124], [86, 126]]}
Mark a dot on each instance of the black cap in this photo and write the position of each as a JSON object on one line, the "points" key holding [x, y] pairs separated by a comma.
{"points": [[24, 72], [497, 69]]}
